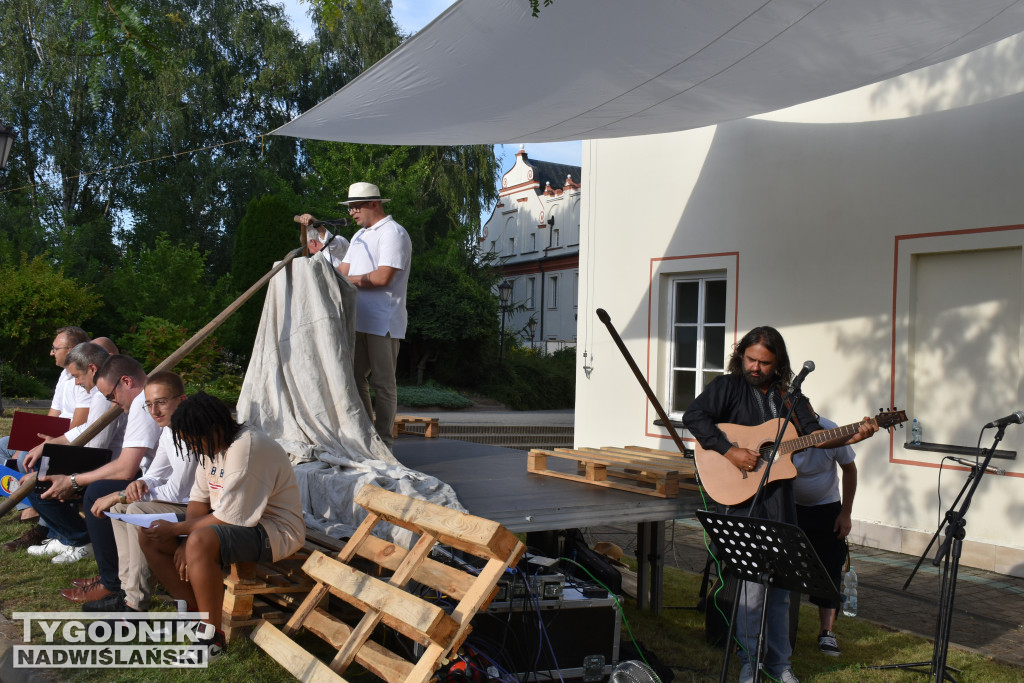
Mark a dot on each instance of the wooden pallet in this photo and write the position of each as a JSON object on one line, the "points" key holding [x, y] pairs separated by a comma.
{"points": [[431, 431], [388, 602], [636, 469], [254, 593]]}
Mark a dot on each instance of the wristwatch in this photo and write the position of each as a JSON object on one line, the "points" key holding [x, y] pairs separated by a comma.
{"points": [[121, 498], [74, 484]]}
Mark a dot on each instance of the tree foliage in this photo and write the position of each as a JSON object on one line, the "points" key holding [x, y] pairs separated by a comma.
{"points": [[144, 171], [169, 281], [35, 300], [266, 234]]}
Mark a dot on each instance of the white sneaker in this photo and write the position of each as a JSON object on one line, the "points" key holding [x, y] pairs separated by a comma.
{"points": [[788, 676], [73, 554], [49, 547]]}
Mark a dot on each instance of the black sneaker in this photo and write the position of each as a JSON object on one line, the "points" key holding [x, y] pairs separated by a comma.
{"points": [[828, 645], [111, 603]]}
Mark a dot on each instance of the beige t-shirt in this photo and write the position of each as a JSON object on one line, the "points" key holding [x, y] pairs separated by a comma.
{"points": [[253, 483]]}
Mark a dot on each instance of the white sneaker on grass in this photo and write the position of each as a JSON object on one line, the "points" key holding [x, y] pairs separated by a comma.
{"points": [[49, 547], [73, 554]]}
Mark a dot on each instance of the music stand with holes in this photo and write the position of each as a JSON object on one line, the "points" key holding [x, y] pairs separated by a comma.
{"points": [[773, 554]]}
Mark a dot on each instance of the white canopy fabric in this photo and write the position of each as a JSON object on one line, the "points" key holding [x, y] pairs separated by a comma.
{"points": [[486, 71]]}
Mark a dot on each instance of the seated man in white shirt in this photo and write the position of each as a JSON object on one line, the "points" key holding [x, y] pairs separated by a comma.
{"points": [[69, 401], [121, 380], [164, 488]]}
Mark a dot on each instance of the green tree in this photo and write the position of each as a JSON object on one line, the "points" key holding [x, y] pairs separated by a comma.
{"points": [[453, 316], [35, 300], [168, 281], [266, 234]]}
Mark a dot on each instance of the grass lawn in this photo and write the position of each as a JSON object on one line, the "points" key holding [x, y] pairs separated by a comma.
{"points": [[676, 637]]}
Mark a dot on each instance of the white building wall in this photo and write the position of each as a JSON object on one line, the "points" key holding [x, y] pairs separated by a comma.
{"points": [[820, 217]]}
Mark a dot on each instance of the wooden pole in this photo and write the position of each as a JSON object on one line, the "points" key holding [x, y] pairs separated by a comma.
{"points": [[28, 482], [606, 319]]}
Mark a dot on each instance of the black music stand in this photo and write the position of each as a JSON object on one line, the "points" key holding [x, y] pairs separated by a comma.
{"points": [[773, 554]]}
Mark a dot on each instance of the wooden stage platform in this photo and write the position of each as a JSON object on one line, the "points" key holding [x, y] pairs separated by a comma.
{"points": [[492, 482]]}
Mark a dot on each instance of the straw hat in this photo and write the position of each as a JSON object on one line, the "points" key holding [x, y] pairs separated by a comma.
{"points": [[364, 192]]}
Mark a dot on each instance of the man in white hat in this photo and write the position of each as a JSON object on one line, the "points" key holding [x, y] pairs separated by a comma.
{"points": [[377, 262]]}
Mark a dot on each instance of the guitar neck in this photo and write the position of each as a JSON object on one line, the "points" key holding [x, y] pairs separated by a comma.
{"points": [[816, 438]]}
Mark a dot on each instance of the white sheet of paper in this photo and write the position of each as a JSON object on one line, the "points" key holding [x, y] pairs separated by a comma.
{"points": [[143, 520]]}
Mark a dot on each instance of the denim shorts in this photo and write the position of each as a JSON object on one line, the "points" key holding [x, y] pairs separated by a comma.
{"points": [[243, 544]]}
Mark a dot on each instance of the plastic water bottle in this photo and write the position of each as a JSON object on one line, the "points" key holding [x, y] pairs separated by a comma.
{"points": [[915, 433], [849, 596]]}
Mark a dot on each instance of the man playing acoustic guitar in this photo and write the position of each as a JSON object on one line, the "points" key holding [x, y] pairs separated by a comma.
{"points": [[752, 392]]}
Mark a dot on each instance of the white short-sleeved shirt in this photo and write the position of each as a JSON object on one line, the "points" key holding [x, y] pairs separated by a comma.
{"points": [[170, 477], [141, 431], [112, 436], [817, 479], [381, 310], [252, 483], [68, 396], [334, 250]]}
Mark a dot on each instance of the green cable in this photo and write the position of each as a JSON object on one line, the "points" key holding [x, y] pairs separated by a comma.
{"points": [[617, 604]]}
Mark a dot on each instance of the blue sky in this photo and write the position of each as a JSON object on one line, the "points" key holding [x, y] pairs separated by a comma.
{"points": [[412, 15]]}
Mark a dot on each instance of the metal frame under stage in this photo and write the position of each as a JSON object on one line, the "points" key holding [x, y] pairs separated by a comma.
{"points": [[492, 482]]}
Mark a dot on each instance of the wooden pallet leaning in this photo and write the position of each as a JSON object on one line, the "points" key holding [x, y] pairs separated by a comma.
{"points": [[431, 431], [386, 602], [643, 472], [254, 593]]}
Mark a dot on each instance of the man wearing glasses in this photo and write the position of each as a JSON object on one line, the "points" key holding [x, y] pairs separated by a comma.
{"points": [[377, 262], [69, 401], [121, 380]]}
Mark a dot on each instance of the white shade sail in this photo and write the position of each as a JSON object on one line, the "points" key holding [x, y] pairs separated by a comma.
{"points": [[486, 71]]}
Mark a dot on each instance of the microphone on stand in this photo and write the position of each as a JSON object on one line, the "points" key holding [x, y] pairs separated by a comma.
{"points": [[967, 463], [1017, 417], [808, 369]]}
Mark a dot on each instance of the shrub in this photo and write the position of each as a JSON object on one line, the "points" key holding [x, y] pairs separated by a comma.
{"points": [[155, 339], [530, 381], [430, 395], [15, 385]]}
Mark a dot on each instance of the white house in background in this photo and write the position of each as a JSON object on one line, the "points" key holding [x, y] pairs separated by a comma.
{"points": [[534, 234], [880, 230]]}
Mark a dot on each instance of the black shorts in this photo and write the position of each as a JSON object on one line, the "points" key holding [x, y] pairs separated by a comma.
{"points": [[818, 522], [242, 544]]}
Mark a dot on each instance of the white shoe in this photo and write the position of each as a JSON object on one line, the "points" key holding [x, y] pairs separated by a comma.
{"points": [[51, 546], [788, 676], [73, 554]]}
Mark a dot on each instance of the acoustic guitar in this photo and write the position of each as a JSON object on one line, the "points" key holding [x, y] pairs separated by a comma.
{"points": [[729, 485]]}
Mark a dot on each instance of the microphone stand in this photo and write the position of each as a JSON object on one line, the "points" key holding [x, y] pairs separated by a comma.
{"points": [[949, 555]]}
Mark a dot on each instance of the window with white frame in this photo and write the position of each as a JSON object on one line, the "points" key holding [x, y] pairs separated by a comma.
{"points": [[511, 246], [531, 289], [553, 291], [698, 308], [532, 244]]}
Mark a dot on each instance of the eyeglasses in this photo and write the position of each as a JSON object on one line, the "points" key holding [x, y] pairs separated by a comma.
{"points": [[113, 392], [58, 348], [160, 403], [357, 207]]}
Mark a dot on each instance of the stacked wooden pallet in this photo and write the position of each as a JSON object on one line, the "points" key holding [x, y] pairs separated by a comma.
{"points": [[431, 428], [392, 603], [254, 593], [638, 469]]}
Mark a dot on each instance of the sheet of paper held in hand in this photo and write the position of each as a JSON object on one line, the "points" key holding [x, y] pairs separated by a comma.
{"points": [[143, 520]]}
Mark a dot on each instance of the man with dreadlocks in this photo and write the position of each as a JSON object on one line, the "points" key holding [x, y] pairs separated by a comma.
{"points": [[244, 507], [754, 391]]}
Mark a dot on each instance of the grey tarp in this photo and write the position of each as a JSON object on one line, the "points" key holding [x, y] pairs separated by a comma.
{"points": [[300, 390]]}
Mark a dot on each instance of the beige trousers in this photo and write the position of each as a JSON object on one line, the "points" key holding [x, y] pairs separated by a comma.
{"points": [[376, 358], [136, 579]]}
